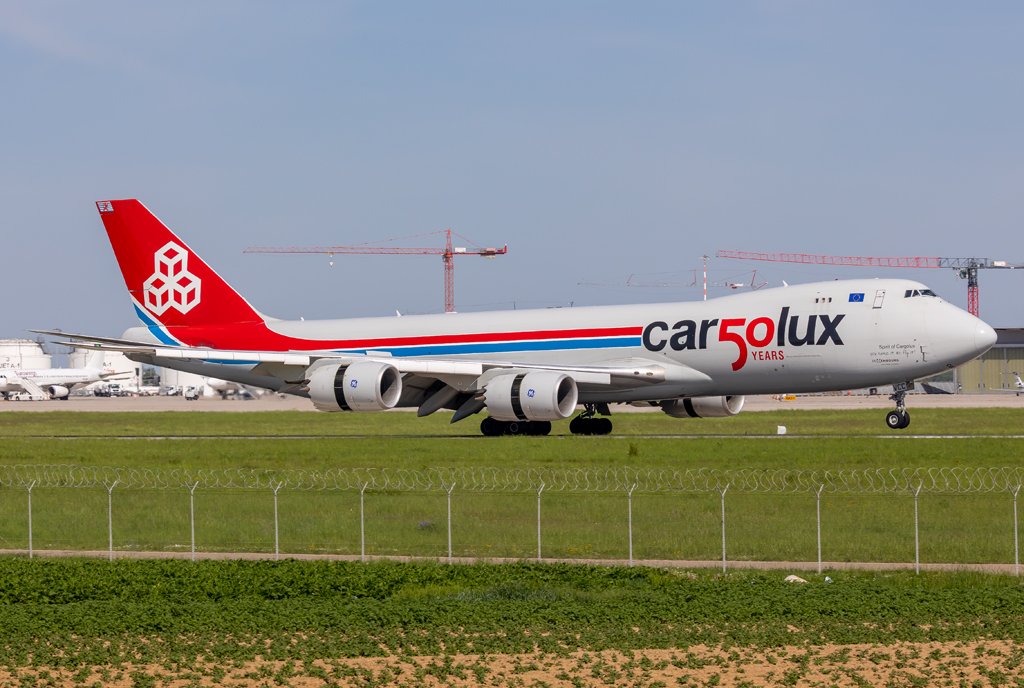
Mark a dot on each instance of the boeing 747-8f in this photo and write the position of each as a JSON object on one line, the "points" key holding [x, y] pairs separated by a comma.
{"points": [[528, 368]]}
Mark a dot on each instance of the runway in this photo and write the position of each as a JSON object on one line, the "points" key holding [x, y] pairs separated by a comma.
{"points": [[273, 402]]}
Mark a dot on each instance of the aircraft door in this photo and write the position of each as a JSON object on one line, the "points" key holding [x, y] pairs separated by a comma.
{"points": [[879, 298]]}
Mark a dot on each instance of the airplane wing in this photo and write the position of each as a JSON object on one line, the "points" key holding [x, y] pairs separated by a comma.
{"points": [[1018, 387], [464, 376], [1005, 390]]}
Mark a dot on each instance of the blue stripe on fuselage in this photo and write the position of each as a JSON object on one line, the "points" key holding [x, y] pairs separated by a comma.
{"points": [[442, 349], [504, 347], [155, 328]]}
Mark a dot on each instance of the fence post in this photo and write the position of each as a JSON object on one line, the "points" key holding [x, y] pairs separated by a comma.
{"points": [[723, 490], [30, 486], [1017, 549], [629, 498], [110, 519], [820, 488], [277, 549], [917, 539], [539, 491], [192, 515], [449, 491], [362, 522]]}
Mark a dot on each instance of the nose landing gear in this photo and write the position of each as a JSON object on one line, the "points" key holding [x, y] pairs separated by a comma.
{"points": [[900, 418]]}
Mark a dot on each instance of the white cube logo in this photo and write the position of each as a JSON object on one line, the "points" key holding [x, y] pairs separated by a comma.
{"points": [[171, 285]]}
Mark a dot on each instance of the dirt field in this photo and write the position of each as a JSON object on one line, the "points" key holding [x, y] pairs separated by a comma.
{"points": [[981, 663]]}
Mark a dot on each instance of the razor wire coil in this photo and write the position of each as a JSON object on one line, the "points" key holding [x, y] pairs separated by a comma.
{"points": [[950, 480]]}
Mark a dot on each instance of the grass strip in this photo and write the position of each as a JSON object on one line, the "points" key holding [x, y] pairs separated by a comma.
{"points": [[844, 422]]}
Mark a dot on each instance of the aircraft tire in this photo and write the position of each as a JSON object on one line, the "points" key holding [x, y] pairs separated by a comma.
{"points": [[590, 426], [490, 427], [540, 428], [896, 420]]}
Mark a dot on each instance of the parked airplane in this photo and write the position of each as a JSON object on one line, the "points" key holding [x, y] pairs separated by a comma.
{"points": [[528, 368], [1018, 386], [227, 388], [53, 383]]}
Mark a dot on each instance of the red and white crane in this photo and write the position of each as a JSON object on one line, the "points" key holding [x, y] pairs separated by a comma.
{"points": [[447, 253], [966, 268]]}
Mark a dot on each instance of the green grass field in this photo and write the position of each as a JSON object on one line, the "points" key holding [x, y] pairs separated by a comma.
{"points": [[91, 622], [73, 612], [954, 528]]}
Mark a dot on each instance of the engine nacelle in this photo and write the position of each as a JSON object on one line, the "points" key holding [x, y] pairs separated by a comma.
{"points": [[703, 407], [538, 395], [58, 391], [360, 386]]}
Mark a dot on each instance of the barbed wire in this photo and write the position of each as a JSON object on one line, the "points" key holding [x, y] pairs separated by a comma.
{"points": [[953, 480]]}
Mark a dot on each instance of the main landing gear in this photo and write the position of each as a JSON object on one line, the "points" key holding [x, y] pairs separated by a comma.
{"points": [[900, 418], [492, 427], [587, 424], [584, 424]]}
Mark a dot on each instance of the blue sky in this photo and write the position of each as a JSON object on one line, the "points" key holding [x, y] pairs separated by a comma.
{"points": [[599, 140]]}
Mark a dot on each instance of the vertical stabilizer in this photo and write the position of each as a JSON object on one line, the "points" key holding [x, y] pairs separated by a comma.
{"points": [[95, 360], [169, 283]]}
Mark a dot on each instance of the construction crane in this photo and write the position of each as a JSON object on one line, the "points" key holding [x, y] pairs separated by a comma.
{"points": [[447, 253], [966, 268]]}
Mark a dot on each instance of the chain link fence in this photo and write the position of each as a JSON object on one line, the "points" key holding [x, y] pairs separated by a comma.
{"points": [[577, 513]]}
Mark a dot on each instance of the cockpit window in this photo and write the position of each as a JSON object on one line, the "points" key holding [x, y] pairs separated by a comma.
{"points": [[918, 292]]}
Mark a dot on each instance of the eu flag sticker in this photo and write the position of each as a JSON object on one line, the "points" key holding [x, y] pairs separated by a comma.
{"points": [[857, 297]]}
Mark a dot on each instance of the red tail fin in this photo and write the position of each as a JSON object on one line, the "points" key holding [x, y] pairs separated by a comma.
{"points": [[167, 280]]}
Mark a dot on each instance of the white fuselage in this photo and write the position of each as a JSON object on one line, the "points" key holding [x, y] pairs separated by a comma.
{"points": [[13, 379], [803, 338]]}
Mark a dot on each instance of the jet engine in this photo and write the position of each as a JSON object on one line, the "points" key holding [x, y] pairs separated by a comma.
{"points": [[58, 391], [703, 407], [360, 386], [538, 395]]}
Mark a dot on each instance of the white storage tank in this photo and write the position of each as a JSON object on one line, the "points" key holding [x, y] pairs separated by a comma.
{"points": [[23, 354], [179, 378]]}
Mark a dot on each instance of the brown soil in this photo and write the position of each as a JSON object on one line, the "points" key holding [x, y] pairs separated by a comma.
{"points": [[973, 663]]}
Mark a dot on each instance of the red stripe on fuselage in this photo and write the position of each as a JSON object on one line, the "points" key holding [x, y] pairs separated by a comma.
{"points": [[257, 336]]}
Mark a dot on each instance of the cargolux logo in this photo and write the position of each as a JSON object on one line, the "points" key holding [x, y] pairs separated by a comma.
{"points": [[171, 285], [752, 338]]}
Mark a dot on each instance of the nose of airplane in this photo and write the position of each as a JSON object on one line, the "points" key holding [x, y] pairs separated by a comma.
{"points": [[984, 336], [964, 336]]}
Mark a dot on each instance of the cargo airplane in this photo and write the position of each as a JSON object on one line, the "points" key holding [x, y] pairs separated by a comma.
{"points": [[528, 368]]}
